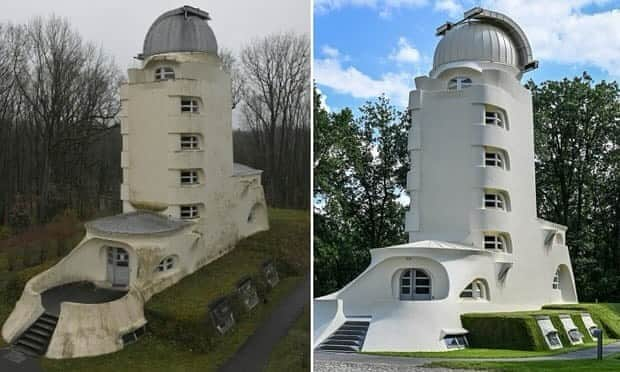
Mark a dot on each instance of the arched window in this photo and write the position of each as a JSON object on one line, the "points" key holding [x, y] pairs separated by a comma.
{"points": [[476, 290], [459, 82], [164, 73], [166, 264], [415, 284], [556, 280]]}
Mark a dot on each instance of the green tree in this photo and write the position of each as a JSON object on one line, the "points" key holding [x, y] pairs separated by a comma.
{"points": [[360, 168], [576, 126]]}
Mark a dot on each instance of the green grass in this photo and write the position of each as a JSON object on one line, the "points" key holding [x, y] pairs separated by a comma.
{"points": [[611, 363], [293, 352], [179, 335]]}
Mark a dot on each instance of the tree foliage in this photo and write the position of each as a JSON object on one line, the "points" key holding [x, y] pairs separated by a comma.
{"points": [[360, 168], [577, 128]]}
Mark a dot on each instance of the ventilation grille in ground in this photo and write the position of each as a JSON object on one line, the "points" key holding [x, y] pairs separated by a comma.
{"points": [[36, 339], [348, 338]]}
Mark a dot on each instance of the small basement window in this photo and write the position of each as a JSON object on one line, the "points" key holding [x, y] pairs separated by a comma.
{"points": [[189, 177], [459, 82], [189, 105], [189, 142], [554, 339], [164, 73], [494, 241], [494, 200], [166, 264], [189, 211], [575, 336], [133, 336], [455, 341]]}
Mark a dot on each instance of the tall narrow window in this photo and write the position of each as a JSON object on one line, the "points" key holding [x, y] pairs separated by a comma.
{"points": [[189, 142], [494, 200], [189, 211], [494, 118], [495, 242], [494, 159], [164, 73], [459, 82], [189, 105], [189, 177], [556, 280]]}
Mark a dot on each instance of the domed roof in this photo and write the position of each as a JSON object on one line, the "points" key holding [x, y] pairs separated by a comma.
{"points": [[184, 29], [484, 36], [475, 41]]}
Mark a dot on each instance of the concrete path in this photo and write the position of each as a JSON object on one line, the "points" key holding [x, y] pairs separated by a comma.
{"points": [[359, 362], [13, 360], [79, 292], [254, 353]]}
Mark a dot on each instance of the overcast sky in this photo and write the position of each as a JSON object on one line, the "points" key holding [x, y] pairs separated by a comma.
{"points": [[119, 26]]}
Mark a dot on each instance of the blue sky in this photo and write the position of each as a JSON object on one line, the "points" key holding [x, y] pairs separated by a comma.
{"points": [[363, 48]]}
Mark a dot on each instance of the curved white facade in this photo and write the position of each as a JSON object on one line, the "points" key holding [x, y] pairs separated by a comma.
{"points": [[472, 217]]}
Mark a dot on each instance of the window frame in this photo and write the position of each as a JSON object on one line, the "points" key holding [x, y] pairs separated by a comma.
{"points": [[494, 200], [188, 212], [166, 264], [461, 341], [476, 290], [498, 242], [495, 118], [494, 158], [189, 142], [417, 279], [190, 105], [164, 73], [459, 83], [189, 177]]}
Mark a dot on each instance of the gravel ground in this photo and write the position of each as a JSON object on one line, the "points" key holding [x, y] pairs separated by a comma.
{"points": [[338, 366]]}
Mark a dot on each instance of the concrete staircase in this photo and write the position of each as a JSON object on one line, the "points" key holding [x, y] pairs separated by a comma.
{"points": [[35, 340], [348, 338]]}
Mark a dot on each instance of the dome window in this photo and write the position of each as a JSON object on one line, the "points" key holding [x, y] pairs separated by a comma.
{"points": [[459, 82], [189, 105], [164, 73]]}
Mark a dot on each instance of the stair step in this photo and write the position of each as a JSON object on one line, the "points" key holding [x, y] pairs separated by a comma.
{"points": [[339, 348], [42, 332], [346, 338], [32, 345], [342, 343], [357, 322], [353, 328], [349, 333], [44, 326], [47, 321], [26, 350], [36, 338]]}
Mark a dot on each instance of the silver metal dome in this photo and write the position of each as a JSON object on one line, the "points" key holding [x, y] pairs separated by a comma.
{"points": [[486, 36], [180, 30]]}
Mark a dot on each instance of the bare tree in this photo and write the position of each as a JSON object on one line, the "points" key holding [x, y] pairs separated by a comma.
{"points": [[276, 108], [230, 64]]}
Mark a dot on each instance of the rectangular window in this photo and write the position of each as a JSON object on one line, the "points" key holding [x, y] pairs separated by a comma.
{"points": [[189, 211], [493, 159], [493, 118], [189, 105], [493, 200], [189, 142], [493, 242], [189, 177]]}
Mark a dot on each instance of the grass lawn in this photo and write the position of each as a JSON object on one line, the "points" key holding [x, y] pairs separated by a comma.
{"points": [[177, 337], [611, 363], [475, 353], [293, 352]]}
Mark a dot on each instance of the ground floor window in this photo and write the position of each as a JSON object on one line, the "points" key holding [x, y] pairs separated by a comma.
{"points": [[455, 341], [553, 338], [415, 284]]}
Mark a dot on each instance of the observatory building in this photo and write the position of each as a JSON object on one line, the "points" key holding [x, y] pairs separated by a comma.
{"points": [[185, 203], [475, 242]]}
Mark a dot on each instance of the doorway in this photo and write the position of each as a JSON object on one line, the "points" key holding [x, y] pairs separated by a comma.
{"points": [[118, 267]]}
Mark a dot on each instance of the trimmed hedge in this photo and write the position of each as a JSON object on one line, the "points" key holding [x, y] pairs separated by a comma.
{"points": [[519, 330]]}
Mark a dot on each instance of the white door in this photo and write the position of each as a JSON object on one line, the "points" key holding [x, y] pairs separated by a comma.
{"points": [[118, 267]]}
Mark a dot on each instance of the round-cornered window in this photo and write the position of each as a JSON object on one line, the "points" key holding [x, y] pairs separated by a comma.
{"points": [[164, 73], [166, 264]]}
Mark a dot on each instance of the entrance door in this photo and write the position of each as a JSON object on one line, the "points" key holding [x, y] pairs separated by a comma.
{"points": [[118, 267], [415, 284]]}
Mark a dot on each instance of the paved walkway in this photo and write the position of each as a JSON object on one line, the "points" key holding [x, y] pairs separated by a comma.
{"points": [[79, 292], [12, 360], [324, 361], [254, 353]]}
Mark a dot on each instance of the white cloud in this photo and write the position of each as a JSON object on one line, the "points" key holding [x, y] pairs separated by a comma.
{"points": [[323, 104], [405, 53], [385, 6], [560, 31], [331, 72], [330, 52], [452, 7]]}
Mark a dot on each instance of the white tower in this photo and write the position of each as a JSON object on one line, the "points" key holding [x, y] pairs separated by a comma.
{"points": [[475, 242]]}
